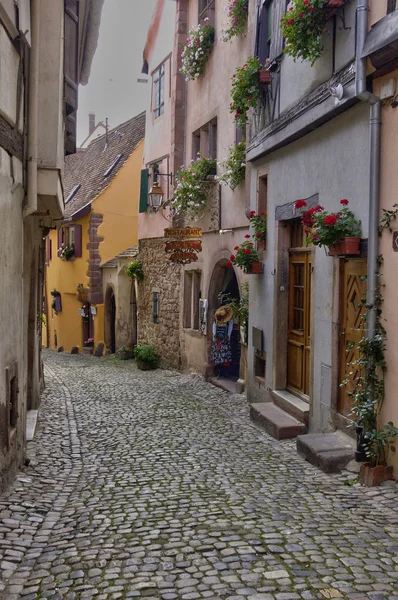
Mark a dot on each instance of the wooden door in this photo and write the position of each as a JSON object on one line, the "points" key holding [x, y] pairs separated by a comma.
{"points": [[352, 326], [299, 334]]}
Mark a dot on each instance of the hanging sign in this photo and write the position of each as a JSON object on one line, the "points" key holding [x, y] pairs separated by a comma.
{"points": [[183, 251], [182, 232]]}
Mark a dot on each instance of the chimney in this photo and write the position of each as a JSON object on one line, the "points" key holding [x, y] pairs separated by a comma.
{"points": [[91, 123]]}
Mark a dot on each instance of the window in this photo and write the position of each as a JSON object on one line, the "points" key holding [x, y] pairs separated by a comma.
{"points": [[70, 235], [264, 31], [12, 391], [297, 237], [207, 11], [155, 307], [158, 92], [204, 141], [192, 280]]}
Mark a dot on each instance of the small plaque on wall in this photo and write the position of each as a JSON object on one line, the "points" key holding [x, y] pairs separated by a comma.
{"points": [[395, 241]]}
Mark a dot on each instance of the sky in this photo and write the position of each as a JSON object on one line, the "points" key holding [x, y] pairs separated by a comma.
{"points": [[113, 90]]}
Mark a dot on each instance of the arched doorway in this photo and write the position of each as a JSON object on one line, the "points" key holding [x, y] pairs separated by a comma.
{"points": [[110, 320], [133, 312], [224, 285]]}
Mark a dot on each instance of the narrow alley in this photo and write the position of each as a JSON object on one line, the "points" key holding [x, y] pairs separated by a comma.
{"points": [[156, 485]]}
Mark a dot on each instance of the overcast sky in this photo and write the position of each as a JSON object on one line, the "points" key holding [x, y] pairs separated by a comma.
{"points": [[113, 90]]}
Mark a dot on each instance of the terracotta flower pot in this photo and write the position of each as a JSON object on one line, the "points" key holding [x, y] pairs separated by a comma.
{"points": [[372, 476], [255, 268], [335, 3], [265, 76], [261, 244], [347, 246]]}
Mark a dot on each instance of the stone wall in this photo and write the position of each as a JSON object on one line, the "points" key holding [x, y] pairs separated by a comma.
{"points": [[95, 295], [162, 276]]}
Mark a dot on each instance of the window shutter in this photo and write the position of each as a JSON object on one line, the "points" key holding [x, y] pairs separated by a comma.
{"points": [[48, 249], [71, 72], [78, 240], [144, 191], [261, 34], [58, 304], [277, 39], [60, 237]]}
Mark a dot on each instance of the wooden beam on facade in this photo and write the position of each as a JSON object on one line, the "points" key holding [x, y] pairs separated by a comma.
{"points": [[10, 139]]}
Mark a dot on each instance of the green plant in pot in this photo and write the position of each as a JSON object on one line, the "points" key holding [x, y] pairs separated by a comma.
{"points": [[196, 50], [135, 271], [193, 186], [246, 90], [246, 257], [237, 13], [145, 357], [234, 166]]}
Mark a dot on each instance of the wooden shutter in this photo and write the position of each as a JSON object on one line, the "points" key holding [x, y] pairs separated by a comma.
{"points": [[60, 237], [58, 304], [78, 240], [71, 72], [144, 191], [261, 48], [277, 39], [48, 249]]}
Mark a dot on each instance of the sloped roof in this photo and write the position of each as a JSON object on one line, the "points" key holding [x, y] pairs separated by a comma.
{"points": [[87, 167], [129, 253]]}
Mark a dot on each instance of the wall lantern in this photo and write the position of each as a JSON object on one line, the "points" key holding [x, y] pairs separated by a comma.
{"points": [[156, 194]]}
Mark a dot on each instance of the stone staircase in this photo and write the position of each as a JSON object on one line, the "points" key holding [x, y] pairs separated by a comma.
{"points": [[286, 417]]}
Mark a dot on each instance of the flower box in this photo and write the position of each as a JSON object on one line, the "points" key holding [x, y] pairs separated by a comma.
{"points": [[255, 268], [348, 246], [372, 476], [265, 76]]}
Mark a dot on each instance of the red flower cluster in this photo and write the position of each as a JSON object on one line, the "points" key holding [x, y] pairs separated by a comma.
{"points": [[252, 213], [247, 236], [228, 264], [300, 204], [232, 257], [344, 202], [330, 220]]}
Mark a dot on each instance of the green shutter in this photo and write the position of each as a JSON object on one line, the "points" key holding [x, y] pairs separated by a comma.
{"points": [[144, 191]]}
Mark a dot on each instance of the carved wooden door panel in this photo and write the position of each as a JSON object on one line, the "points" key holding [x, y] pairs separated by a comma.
{"points": [[352, 326], [298, 346]]}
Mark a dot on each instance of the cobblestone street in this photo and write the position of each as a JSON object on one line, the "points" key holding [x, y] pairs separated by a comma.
{"points": [[156, 485]]}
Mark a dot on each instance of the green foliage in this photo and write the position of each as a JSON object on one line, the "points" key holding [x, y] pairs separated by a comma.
{"points": [[245, 256], [379, 442], [245, 91], [388, 217], [234, 166], [41, 318], [192, 187], [196, 51], [237, 13], [323, 228], [54, 293], [302, 26], [145, 353], [240, 307], [135, 271], [67, 252], [259, 223]]}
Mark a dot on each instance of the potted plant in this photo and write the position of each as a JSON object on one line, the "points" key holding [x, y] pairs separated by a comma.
{"points": [[246, 89], [377, 444], [145, 357], [259, 223], [339, 231], [134, 270], [303, 25], [56, 303], [237, 11], [66, 252], [246, 258], [192, 187], [196, 51], [234, 166], [88, 346]]}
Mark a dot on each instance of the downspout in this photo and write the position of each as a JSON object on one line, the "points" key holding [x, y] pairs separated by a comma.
{"points": [[33, 111], [374, 163]]}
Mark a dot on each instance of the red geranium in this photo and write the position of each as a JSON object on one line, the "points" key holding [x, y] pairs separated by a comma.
{"points": [[344, 202], [300, 204], [236, 248], [247, 251], [252, 213], [232, 257], [247, 236], [228, 264], [330, 220]]}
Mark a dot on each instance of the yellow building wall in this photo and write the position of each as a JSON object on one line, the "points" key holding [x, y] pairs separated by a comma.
{"points": [[118, 204]]}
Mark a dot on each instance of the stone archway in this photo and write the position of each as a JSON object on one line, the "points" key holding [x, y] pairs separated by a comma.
{"points": [[110, 320]]}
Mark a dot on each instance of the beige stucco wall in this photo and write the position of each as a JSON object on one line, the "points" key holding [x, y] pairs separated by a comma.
{"points": [[389, 185], [121, 285]]}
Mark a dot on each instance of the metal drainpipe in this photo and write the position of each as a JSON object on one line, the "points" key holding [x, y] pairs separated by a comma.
{"points": [[374, 163]]}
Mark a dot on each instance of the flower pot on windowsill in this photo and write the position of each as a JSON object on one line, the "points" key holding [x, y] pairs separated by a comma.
{"points": [[145, 366], [264, 76], [372, 476], [347, 246], [255, 268]]}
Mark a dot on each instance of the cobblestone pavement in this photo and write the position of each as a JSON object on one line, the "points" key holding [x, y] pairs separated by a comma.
{"points": [[156, 485]]}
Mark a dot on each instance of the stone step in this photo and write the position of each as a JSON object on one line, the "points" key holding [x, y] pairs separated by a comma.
{"points": [[291, 404], [275, 421], [225, 384], [330, 452]]}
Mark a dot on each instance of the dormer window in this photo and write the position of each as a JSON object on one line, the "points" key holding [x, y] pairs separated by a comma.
{"points": [[73, 193], [113, 165]]}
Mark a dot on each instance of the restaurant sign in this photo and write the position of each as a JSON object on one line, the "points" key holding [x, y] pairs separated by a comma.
{"points": [[183, 251], [183, 232]]}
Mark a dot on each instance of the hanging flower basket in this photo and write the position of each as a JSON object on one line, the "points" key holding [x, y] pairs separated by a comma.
{"points": [[347, 246]]}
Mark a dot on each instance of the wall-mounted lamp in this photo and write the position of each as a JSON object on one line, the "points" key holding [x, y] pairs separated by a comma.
{"points": [[222, 231], [156, 194]]}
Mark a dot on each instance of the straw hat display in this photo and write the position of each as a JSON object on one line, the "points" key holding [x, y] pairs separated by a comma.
{"points": [[223, 314]]}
